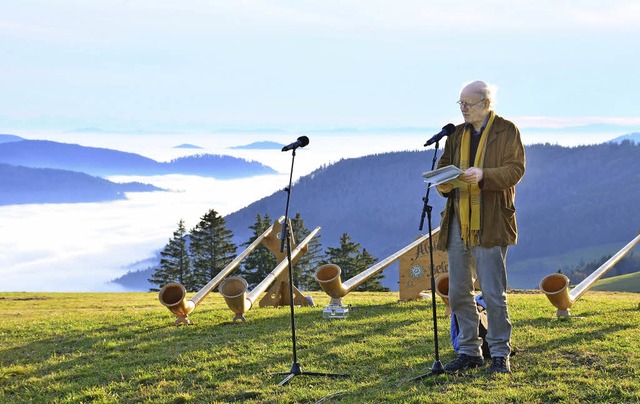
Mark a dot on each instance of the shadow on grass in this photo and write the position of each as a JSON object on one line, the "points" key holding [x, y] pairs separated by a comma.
{"points": [[381, 347], [215, 354]]}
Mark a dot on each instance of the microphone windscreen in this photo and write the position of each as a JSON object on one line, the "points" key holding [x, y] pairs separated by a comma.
{"points": [[303, 141], [450, 128]]}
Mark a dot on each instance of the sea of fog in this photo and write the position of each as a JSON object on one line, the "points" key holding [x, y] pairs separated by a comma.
{"points": [[82, 247]]}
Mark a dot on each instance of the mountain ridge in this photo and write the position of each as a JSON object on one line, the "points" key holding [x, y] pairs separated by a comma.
{"points": [[377, 199], [572, 200], [103, 161], [27, 185]]}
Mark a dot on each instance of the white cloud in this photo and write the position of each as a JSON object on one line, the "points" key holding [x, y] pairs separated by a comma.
{"points": [[574, 121], [610, 15], [104, 21]]}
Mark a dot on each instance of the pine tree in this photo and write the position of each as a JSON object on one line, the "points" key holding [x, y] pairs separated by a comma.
{"points": [[305, 268], [211, 248], [260, 262], [174, 261], [352, 261], [364, 261]]}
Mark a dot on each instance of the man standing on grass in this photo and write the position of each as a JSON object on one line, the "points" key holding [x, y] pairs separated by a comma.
{"points": [[479, 223]]}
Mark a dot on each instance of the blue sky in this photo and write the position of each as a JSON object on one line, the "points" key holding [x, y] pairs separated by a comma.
{"points": [[206, 65], [201, 66]]}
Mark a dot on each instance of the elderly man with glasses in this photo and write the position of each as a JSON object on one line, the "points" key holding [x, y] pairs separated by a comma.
{"points": [[479, 223]]}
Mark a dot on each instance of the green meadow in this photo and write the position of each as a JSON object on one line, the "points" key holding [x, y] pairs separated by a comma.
{"points": [[124, 348]]}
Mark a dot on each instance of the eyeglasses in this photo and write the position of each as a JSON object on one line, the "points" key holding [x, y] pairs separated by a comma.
{"points": [[466, 105]]}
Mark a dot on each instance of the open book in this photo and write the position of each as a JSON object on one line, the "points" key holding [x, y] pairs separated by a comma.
{"points": [[444, 174]]}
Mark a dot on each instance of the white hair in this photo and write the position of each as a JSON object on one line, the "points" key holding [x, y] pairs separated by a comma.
{"points": [[486, 90]]}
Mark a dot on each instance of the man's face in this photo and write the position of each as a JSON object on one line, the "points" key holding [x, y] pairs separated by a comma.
{"points": [[473, 107]]}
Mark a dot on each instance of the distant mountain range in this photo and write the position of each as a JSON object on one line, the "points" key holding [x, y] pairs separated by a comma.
{"points": [[574, 204], [187, 146], [42, 171], [101, 161], [264, 145], [571, 199]]}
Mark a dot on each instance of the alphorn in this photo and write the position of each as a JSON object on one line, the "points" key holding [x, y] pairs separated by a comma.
{"points": [[173, 295], [442, 290], [328, 275], [234, 288], [556, 286]]}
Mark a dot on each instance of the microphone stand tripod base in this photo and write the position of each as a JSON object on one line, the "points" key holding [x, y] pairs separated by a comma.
{"points": [[436, 369], [297, 371]]}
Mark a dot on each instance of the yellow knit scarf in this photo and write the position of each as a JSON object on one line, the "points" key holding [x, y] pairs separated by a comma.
{"points": [[470, 196]]}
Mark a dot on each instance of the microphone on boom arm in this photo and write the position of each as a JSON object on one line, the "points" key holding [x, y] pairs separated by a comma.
{"points": [[446, 131], [301, 142]]}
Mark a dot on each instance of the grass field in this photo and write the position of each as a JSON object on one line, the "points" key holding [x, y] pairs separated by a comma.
{"points": [[123, 347]]}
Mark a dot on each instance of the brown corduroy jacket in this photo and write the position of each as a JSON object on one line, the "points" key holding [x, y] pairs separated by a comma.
{"points": [[504, 166]]}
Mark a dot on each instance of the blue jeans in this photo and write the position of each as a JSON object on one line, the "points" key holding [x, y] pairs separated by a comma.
{"points": [[491, 270]]}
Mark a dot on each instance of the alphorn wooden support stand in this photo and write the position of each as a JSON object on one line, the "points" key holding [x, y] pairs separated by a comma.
{"points": [[278, 294]]}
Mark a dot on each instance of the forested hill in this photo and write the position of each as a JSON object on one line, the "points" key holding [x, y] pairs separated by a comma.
{"points": [[573, 204], [19, 185]]}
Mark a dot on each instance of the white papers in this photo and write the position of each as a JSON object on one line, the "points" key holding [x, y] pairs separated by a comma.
{"points": [[442, 175]]}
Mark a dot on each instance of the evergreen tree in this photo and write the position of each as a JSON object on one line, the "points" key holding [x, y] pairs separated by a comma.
{"points": [[260, 262], [364, 261], [343, 256], [305, 268], [174, 261], [352, 261], [212, 248]]}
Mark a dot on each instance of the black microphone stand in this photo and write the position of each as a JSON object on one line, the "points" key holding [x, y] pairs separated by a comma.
{"points": [[436, 368], [286, 241]]}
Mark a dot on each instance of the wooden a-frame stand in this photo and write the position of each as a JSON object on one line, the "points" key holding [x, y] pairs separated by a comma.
{"points": [[278, 294]]}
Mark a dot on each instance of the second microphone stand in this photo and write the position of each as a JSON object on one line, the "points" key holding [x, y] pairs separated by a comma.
{"points": [[296, 370], [436, 368]]}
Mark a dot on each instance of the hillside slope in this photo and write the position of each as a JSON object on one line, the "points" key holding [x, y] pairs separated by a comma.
{"points": [[21, 185], [569, 199], [622, 283]]}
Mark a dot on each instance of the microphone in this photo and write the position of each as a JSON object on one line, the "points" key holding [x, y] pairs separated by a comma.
{"points": [[446, 131], [301, 142]]}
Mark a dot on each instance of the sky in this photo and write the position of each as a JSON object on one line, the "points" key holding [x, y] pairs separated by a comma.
{"points": [[146, 75], [299, 65]]}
